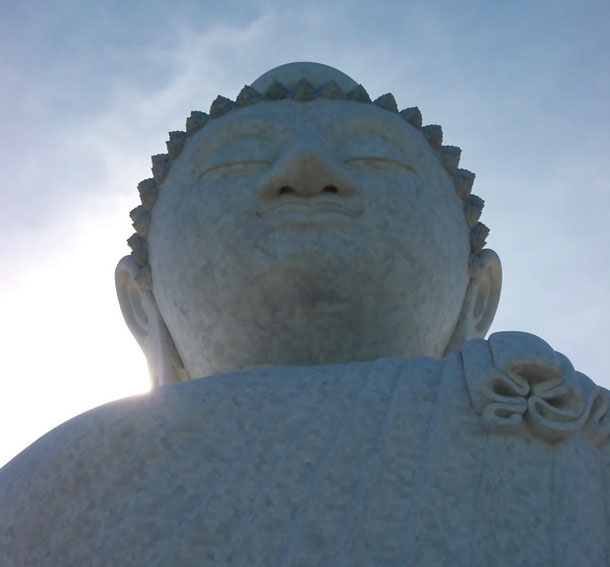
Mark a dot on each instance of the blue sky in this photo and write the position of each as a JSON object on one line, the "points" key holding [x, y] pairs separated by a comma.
{"points": [[90, 90]]}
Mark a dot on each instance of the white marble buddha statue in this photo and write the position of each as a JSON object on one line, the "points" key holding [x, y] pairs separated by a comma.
{"points": [[310, 286]]}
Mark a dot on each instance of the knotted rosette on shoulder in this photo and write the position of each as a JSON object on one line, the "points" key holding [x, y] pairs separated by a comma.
{"points": [[516, 379]]}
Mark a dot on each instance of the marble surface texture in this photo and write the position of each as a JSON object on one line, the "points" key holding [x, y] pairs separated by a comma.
{"points": [[388, 462]]}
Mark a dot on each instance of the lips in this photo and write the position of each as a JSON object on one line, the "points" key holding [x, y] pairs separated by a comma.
{"points": [[310, 206]]}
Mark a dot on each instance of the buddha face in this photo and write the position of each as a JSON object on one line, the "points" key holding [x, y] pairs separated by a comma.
{"points": [[307, 233]]}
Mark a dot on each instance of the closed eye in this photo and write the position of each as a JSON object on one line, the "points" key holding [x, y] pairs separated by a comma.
{"points": [[238, 156], [374, 154], [235, 168], [377, 164]]}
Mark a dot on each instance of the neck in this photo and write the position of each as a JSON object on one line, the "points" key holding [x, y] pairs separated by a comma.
{"points": [[307, 327]]}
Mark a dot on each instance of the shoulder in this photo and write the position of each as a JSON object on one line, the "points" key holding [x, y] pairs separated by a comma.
{"points": [[516, 378]]}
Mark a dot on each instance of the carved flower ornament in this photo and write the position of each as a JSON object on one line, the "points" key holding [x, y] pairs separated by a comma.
{"points": [[516, 378]]}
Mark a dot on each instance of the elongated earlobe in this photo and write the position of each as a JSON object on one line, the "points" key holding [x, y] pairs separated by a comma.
{"points": [[142, 316], [481, 300]]}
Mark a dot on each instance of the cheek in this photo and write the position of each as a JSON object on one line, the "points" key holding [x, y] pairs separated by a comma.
{"points": [[390, 196], [421, 226], [194, 227], [429, 216], [224, 206], [398, 214], [199, 234]]}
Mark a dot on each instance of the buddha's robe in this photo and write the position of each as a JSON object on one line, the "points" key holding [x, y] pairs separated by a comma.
{"points": [[495, 455]]}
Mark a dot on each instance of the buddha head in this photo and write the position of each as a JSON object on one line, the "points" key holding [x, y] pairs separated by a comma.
{"points": [[304, 224]]}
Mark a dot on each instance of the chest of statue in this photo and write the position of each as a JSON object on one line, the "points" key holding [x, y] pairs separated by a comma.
{"points": [[492, 456]]}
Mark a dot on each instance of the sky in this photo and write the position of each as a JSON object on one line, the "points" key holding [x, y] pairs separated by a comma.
{"points": [[89, 91]]}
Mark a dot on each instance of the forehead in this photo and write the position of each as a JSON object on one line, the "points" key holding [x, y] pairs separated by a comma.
{"points": [[332, 121]]}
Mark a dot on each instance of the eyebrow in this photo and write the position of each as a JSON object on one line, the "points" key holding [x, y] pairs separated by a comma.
{"points": [[362, 126], [245, 128]]}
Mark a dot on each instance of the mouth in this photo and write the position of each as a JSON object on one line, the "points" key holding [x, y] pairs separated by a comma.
{"points": [[310, 210]]}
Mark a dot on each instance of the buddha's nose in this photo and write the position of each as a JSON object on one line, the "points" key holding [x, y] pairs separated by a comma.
{"points": [[306, 170]]}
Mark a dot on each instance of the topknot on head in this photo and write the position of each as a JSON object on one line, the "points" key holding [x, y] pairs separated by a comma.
{"points": [[247, 96], [276, 91], [316, 74], [149, 192], [196, 121], [160, 167], [450, 157], [463, 181], [413, 116], [303, 91], [221, 106], [434, 135], [330, 91], [387, 102], [358, 94], [175, 143]]}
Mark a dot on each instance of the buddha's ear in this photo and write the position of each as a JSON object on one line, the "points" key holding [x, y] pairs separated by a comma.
{"points": [[481, 300], [144, 320]]}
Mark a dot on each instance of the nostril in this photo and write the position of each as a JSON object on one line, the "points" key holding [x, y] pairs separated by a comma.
{"points": [[330, 189], [288, 190]]}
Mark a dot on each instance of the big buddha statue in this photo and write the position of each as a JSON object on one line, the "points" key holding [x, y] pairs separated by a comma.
{"points": [[310, 284]]}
